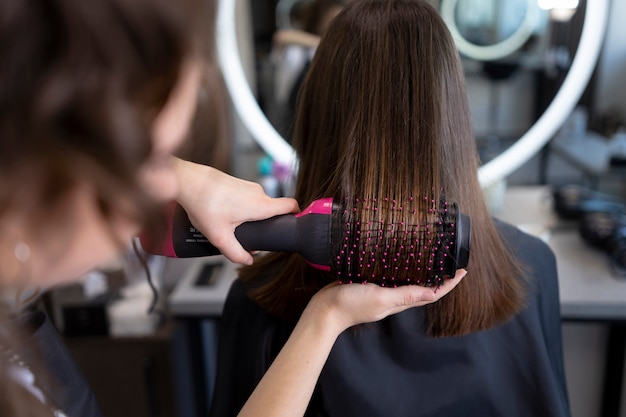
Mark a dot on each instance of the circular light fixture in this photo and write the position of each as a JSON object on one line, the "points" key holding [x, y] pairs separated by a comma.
{"points": [[497, 50], [241, 95]]}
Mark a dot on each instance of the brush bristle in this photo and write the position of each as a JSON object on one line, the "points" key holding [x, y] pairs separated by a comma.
{"points": [[392, 244]]}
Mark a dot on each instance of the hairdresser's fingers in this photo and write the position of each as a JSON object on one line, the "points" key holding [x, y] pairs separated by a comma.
{"points": [[220, 230], [212, 197], [217, 203], [236, 201], [230, 247], [416, 296], [219, 226], [267, 207], [402, 298], [260, 207], [352, 304]]}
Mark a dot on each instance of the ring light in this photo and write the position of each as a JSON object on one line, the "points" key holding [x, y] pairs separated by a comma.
{"points": [[497, 50], [239, 89], [497, 169]]}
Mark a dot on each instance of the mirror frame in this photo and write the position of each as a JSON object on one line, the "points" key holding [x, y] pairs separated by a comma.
{"points": [[497, 50], [497, 169]]}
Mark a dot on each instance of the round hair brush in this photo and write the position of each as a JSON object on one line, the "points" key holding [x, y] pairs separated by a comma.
{"points": [[368, 242], [381, 241]]}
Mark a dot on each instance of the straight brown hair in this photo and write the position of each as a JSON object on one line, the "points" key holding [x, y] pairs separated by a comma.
{"points": [[383, 112]]}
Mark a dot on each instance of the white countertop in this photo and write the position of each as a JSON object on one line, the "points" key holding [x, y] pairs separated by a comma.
{"points": [[190, 299], [587, 286]]}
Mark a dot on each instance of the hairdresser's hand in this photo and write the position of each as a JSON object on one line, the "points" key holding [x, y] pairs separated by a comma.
{"points": [[217, 203], [350, 304]]}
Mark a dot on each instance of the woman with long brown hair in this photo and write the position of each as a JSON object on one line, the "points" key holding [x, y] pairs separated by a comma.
{"points": [[383, 114]]}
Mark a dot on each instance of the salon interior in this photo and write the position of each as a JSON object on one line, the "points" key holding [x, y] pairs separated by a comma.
{"points": [[548, 102]]}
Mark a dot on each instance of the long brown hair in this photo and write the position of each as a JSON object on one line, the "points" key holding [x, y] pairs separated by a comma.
{"points": [[384, 113]]}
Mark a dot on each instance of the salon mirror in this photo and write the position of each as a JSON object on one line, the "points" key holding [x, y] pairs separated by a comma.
{"points": [[489, 30], [499, 41]]}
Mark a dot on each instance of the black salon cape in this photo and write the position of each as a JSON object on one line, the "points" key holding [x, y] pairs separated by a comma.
{"points": [[67, 387], [392, 369]]}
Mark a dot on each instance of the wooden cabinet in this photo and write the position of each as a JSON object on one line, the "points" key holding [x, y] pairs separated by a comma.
{"points": [[133, 376]]}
